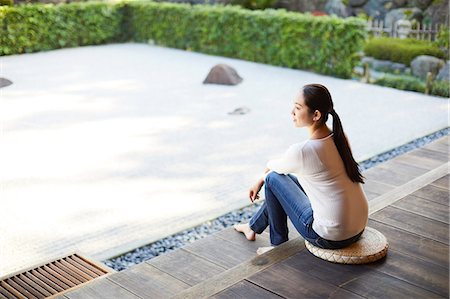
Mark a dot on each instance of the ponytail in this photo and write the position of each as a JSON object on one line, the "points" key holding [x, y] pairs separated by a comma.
{"points": [[317, 97], [341, 142]]}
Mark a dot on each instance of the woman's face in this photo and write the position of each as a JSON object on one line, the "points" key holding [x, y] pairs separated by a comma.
{"points": [[300, 113]]}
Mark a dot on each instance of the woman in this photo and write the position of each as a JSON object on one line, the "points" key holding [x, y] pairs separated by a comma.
{"points": [[325, 202]]}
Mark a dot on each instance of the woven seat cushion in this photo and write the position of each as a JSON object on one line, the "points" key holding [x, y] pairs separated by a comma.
{"points": [[371, 246]]}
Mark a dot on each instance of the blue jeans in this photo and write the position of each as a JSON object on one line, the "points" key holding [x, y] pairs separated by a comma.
{"points": [[286, 197]]}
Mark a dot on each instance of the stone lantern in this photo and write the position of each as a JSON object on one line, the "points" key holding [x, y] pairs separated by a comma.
{"points": [[403, 28]]}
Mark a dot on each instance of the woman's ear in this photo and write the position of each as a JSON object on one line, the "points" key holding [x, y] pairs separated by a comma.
{"points": [[317, 115]]}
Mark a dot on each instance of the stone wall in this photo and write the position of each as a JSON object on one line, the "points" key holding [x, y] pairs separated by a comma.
{"points": [[428, 11]]}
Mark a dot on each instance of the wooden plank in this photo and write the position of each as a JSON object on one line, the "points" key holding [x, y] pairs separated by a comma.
{"points": [[408, 188], [291, 282], [336, 274], [441, 145], [412, 244], [414, 271], [375, 187], [442, 182], [219, 251], [146, 281], [185, 266], [424, 207], [6, 294], [404, 168], [228, 278], [245, 289], [231, 235], [100, 289], [370, 195], [375, 285], [420, 162], [433, 193], [430, 154], [413, 223], [387, 176]]}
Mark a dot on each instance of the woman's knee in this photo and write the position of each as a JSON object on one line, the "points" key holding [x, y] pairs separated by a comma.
{"points": [[272, 176]]}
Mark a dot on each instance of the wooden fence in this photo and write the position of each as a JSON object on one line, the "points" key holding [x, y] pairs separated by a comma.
{"points": [[418, 31]]}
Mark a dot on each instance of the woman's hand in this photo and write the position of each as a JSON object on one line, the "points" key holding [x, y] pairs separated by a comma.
{"points": [[253, 193]]}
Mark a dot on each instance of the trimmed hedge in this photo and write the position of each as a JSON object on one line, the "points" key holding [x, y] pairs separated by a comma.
{"points": [[326, 45], [36, 27], [438, 88], [401, 50]]}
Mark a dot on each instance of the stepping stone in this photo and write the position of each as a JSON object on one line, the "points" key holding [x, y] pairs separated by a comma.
{"points": [[223, 74], [4, 82], [370, 247]]}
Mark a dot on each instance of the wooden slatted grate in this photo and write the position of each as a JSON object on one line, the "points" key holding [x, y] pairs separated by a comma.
{"points": [[51, 279]]}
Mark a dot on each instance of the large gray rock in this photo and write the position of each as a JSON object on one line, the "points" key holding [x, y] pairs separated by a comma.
{"points": [[422, 4], [336, 7], [401, 14], [381, 65], [437, 12], [444, 72], [5, 82], [223, 74], [423, 64], [357, 3], [399, 3], [377, 8]]}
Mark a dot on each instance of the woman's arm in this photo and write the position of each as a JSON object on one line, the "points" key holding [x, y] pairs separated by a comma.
{"points": [[253, 193]]}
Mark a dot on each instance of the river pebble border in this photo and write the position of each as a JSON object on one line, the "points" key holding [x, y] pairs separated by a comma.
{"points": [[178, 240]]}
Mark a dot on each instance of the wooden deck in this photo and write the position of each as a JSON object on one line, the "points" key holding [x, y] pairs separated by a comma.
{"points": [[409, 204]]}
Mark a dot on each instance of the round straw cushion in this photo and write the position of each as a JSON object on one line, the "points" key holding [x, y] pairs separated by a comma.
{"points": [[371, 246]]}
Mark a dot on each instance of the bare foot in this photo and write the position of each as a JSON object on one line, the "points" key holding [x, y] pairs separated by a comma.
{"points": [[262, 250], [246, 230]]}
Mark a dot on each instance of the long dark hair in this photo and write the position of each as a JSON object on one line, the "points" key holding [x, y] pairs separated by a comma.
{"points": [[317, 97]]}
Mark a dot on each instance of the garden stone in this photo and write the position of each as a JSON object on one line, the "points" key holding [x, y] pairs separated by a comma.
{"points": [[422, 4], [423, 64], [399, 67], [401, 14], [357, 3], [376, 8], [336, 7], [223, 74], [4, 82], [400, 3], [437, 12], [403, 28], [382, 64], [368, 60], [444, 72]]}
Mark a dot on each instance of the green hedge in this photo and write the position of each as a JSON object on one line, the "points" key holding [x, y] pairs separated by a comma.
{"points": [[438, 88], [36, 27], [326, 45], [400, 50]]}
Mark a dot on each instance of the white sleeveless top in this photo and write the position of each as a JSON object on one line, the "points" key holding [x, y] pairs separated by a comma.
{"points": [[340, 207]]}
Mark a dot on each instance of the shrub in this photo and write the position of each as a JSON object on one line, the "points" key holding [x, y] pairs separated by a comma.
{"points": [[254, 4], [7, 2], [327, 45], [36, 27], [400, 50], [441, 88], [403, 82]]}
